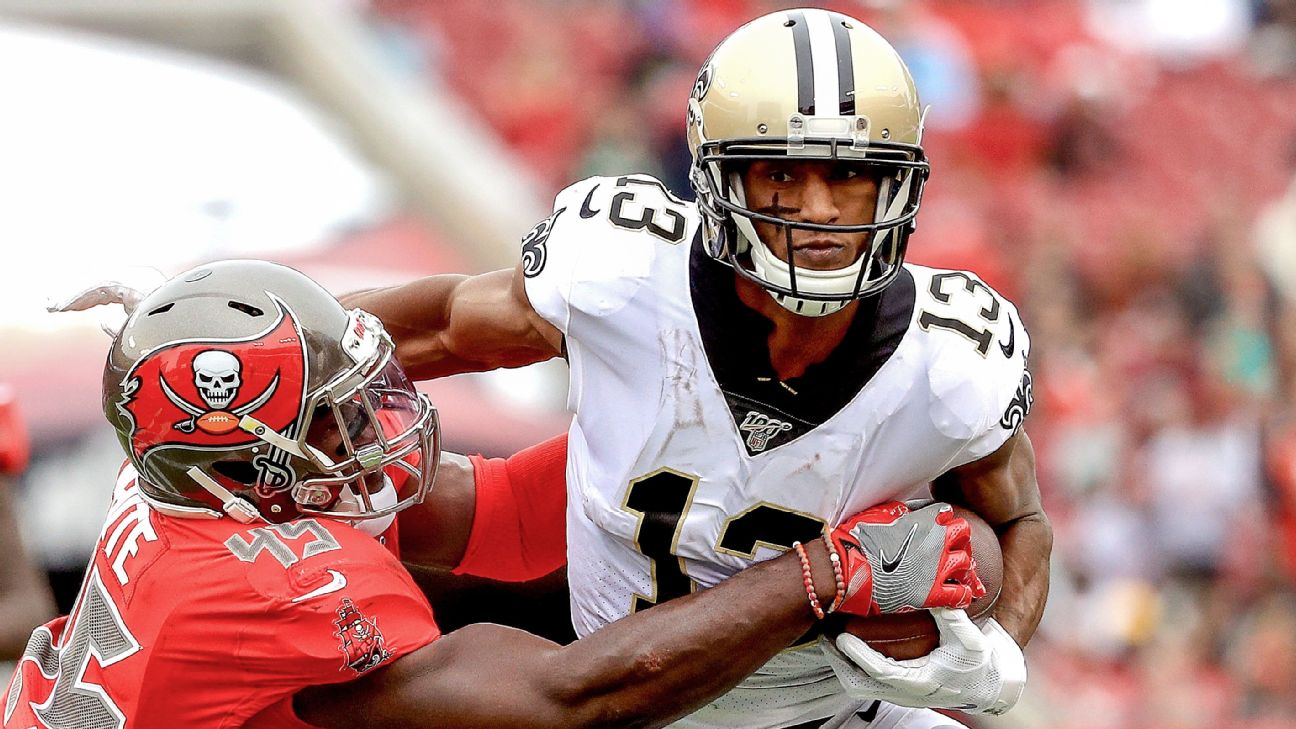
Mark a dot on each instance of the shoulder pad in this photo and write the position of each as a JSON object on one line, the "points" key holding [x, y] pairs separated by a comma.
{"points": [[341, 611], [285, 561], [977, 349], [601, 243]]}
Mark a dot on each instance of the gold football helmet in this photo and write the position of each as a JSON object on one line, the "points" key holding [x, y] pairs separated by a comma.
{"points": [[812, 85]]}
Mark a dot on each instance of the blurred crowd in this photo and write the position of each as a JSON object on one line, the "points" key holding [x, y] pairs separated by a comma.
{"points": [[1123, 169]]}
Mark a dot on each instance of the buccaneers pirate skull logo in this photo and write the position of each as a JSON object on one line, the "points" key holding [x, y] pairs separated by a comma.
{"points": [[212, 393], [216, 375]]}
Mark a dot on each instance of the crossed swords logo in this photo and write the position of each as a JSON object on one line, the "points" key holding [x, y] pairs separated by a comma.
{"points": [[187, 426]]}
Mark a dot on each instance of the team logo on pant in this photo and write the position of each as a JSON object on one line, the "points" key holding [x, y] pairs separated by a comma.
{"points": [[362, 643], [760, 428]]}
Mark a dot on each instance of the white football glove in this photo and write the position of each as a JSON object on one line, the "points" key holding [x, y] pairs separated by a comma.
{"points": [[977, 670]]}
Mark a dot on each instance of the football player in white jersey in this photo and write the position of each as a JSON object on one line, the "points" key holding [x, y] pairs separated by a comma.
{"points": [[752, 368]]}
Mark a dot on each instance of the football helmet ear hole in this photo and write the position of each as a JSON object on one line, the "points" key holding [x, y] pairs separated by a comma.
{"points": [[248, 309], [238, 471]]}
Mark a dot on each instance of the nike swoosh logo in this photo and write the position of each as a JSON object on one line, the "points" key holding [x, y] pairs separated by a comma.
{"points": [[889, 564], [337, 583], [586, 211], [1011, 346]]}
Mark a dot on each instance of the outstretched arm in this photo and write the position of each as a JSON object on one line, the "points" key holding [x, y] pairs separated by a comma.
{"points": [[451, 323], [645, 670]]}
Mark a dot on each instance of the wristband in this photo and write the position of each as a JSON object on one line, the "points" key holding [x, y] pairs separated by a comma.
{"points": [[840, 576], [809, 580]]}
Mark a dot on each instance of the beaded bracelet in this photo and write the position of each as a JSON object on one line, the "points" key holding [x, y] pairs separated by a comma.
{"points": [[809, 580], [837, 572]]}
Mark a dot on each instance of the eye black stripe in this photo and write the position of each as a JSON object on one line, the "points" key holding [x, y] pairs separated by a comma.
{"points": [[804, 62], [845, 66]]}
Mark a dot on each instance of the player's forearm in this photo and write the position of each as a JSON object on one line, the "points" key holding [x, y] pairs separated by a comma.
{"points": [[662, 663], [435, 532], [449, 324], [1026, 545], [416, 315], [499, 518], [642, 671]]}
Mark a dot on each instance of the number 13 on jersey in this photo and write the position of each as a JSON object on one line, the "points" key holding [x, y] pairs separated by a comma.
{"points": [[661, 501]]}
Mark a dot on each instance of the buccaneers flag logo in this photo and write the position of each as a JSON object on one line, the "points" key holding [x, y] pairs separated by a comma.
{"points": [[194, 392], [362, 642]]}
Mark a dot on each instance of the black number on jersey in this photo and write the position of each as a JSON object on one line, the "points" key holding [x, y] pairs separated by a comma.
{"points": [[660, 500], [990, 313], [769, 525], [631, 213]]}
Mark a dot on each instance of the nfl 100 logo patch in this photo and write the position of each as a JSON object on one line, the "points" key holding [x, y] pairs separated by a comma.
{"points": [[760, 428]]}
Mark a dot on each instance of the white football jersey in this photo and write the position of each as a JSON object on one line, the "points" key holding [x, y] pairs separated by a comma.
{"points": [[689, 460]]}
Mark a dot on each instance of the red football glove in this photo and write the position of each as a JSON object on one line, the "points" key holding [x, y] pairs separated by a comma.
{"points": [[895, 560]]}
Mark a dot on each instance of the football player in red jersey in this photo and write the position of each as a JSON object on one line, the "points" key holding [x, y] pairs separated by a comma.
{"points": [[238, 582]]}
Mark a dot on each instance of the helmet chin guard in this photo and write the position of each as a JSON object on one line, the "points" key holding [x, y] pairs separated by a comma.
{"points": [[795, 288]]}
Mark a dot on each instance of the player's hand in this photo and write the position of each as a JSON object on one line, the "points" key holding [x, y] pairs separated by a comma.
{"points": [[128, 289], [977, 670], [895, 559], [102, 294]]}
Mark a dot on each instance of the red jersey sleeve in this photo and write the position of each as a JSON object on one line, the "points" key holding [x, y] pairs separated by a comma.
{"points": [[335, 616], [519, 529]]}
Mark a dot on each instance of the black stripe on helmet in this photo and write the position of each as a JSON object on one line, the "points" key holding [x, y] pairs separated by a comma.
{"points": [[804, 62], [845, 65]]}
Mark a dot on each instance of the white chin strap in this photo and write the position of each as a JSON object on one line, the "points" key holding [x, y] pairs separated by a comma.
{"points": [[383, 498], [837, 281], [237, 507]]}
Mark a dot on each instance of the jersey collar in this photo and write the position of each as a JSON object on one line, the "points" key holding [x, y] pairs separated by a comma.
{"points": [[734, 337]]}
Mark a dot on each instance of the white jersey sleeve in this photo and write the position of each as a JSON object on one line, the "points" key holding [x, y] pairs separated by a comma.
{"points": [[599, 245], [977, 347]]}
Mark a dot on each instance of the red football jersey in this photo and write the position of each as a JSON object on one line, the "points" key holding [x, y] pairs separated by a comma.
{"points": [[213, 623]]}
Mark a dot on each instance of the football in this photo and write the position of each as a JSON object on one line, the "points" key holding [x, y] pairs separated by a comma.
{"points": [[218, 422], [903, 636]]}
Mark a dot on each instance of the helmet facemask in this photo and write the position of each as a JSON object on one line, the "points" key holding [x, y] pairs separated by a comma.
{"points": [[373, 440], [900, 170]]}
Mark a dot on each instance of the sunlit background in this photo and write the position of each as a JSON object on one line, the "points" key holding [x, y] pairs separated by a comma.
{"points": [[1122, 169]]}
